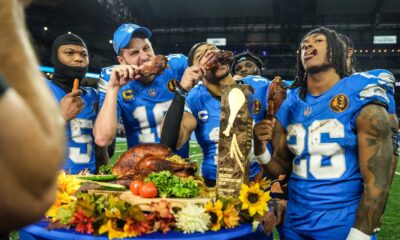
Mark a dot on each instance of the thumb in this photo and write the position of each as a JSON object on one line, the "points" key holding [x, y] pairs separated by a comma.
{"points": [[75, 93]]}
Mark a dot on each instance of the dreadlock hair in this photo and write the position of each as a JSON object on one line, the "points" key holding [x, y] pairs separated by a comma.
{"points": [[348, 43], [335, 56]]}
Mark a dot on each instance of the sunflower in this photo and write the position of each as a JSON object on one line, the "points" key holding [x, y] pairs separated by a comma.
{"points": [[115, 228], [254, 199], [215, 211], [231, 216]]}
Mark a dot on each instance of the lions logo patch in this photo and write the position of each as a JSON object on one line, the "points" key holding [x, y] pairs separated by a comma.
{"points": [[339, 103], [127, 95], [172, 84], [256, 106]]}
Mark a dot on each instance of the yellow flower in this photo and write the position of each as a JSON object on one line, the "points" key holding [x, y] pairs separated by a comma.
{"points": [[231, 216], [62, 198], [68, 183], [113, 229], [52, 211], [113, 213], [215, 211], [254, 199], [131, 232], [136, 228], [264, 183]]}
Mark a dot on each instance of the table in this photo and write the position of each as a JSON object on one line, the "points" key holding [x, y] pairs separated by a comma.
{"points": [[38, 231]]}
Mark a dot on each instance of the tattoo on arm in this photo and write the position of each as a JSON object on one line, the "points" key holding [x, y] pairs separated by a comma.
{"points": [[375, 154]]}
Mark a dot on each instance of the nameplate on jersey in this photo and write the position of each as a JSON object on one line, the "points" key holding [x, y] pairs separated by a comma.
{"points": [[128, 95], [235, 138], [339, 103]]}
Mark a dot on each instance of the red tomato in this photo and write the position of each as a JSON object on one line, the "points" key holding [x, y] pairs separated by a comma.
{"points": [[135, 186], [149, 190]]}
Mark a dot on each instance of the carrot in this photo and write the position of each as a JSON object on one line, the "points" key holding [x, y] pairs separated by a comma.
{"points": [[76, 85]]}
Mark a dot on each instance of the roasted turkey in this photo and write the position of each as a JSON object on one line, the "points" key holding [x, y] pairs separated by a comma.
{"points": [[141, 160], [219, 58], [155, 66], [276, 96]]}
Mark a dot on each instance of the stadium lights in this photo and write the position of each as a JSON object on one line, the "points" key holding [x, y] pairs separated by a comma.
{"points": [[361, 51], [385, 50], [373, 50], [69, 32], [355, 50], [379, 50], [392, 50], [110, 41], [45, 28]]}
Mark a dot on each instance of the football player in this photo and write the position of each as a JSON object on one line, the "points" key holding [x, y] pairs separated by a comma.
{"points": [[246, 64], [78, 106], [383, 75], [203, 107], [141, 103], [332, 135]]}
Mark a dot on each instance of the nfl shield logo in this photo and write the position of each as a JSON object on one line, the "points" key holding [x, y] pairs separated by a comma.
{"points": [[307, 111], [152, 92]]}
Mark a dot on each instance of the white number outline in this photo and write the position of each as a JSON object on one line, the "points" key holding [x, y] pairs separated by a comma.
{"points": [[316, 149], [140, 115], [75, 154]]}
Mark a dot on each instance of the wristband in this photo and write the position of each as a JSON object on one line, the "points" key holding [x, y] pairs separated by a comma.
{"points": [[264, 158], [356, 234], [181, 91]]}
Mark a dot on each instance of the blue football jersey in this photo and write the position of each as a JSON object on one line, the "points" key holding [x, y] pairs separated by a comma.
{"points": [[322, 135], [143, 107], [206, 109], [79, 131], [387, 76]]}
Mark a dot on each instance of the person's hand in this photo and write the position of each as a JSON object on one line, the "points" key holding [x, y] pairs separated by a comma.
{"points": [[191, 76], [237, 77], [275, 217], [279, 210], [262, 134], [71, 105], [122, 74]]}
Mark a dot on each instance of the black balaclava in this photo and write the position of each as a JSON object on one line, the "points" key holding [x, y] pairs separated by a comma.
{"points": [[64, 75]]}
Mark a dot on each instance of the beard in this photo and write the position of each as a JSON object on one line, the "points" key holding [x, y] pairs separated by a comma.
{"points": [[317, 69]]}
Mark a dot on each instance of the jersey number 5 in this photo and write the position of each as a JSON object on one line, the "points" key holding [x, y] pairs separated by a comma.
{"points": [[317, 149], [76, 134]]}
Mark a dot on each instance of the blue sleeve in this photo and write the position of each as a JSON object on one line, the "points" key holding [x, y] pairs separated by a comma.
{"points": [[392, 105], [373, 91], [260, 86], [104, 79], [179, 63]]}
